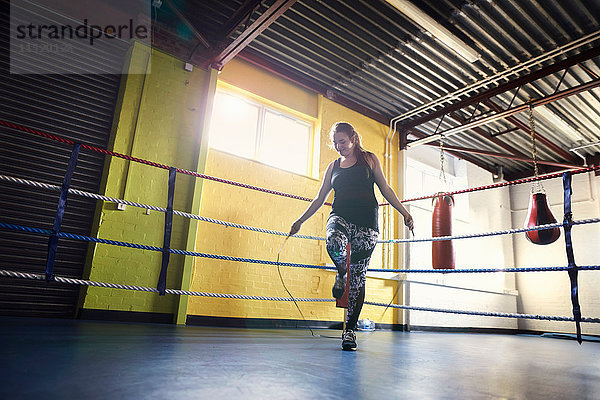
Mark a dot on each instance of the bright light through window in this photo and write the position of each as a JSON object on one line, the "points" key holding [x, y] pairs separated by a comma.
{"points": [[285, 143], [233, 125], [249, 129]]}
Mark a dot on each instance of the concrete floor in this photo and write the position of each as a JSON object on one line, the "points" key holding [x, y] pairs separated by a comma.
{"points": [[68, 359]]}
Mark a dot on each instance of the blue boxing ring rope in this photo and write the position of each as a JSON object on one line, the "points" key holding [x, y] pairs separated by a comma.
{"points": [[58, 279], [55, 233]]}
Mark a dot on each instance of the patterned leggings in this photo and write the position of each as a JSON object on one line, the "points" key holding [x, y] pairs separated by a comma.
{"points": [[362, 242]]}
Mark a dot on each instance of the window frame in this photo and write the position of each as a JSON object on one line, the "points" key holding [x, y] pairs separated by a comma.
{"points": [[266, 105]]}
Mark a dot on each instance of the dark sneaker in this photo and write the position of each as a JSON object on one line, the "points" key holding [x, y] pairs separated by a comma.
{"points": [[339, 287], [348, 340]]}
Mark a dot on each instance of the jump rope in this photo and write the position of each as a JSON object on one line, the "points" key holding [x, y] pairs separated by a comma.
{"points": [[296, 303], [290, 293]]}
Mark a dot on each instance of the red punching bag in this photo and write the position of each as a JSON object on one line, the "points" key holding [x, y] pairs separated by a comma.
{"points": [[539, 213], [441, 225]]}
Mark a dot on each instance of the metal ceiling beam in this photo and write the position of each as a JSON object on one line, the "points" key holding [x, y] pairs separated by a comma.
{"points": [[239, 16], [250, 33], [484, 134], [472, 160], [542, 139], [546, 169], [504, 155], [511, 111], [187, 22], [454, 153], [504, 132], [491, 138], [566, 63]]}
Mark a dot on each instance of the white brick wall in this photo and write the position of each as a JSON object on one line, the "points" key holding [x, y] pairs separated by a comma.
{"points": [[488, 211], [549, 293], [546, 293]]}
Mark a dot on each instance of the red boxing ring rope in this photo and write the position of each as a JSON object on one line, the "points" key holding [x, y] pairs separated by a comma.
{"points": [[151, 163], [260, 189]]}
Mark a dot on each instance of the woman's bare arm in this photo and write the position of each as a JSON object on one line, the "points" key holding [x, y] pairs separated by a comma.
{"points": [[388, 192], [317, 201]]}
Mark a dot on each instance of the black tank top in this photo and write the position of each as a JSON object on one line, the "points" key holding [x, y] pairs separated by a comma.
{"points": [[354, 198]]}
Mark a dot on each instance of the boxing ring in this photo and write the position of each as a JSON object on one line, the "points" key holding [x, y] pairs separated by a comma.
{"points": [[388, 345], [66, 190]]}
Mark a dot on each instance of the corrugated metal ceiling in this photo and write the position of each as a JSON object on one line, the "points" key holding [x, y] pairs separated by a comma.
{"points": [[369, 53]]}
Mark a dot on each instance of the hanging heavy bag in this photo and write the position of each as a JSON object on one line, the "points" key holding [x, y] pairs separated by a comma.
{"points": [[539, 213], [442, 251]]}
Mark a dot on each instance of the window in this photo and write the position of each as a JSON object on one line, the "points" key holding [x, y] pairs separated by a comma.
{"points": [[233, 125], [250, 129]]}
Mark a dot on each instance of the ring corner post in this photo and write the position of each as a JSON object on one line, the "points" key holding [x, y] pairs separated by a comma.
{"points": [[168, 228], [567, 224], [60, 211], [202, 153]]}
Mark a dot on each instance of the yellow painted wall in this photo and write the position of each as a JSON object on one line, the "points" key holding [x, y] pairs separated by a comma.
{"points": [[158, 118], [248, 207], [244, 76]]}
